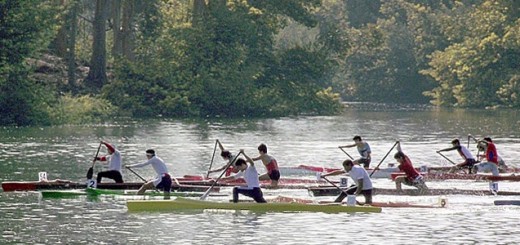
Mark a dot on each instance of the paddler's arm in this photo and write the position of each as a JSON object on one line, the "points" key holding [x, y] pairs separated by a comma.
{"points": [[399, 146], [447, 149], [359, 186], [347, 146], [248, 159], [138, 165], [337, 172]]}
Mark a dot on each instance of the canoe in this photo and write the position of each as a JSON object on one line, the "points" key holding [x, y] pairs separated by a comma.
{"points": [[191, 204], [333, 191], [460, 176], [8, 186], [98, 192], [507, 202]]}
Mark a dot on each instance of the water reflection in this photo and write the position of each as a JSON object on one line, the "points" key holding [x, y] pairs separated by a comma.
{"points": [[65, 152]]}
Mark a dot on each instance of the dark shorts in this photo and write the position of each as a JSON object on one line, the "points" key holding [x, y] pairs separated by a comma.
{"points": [[110, 174], [255, 193], [166, 183], [274, 175], [469, 163], [352, 190], [364, 161]]}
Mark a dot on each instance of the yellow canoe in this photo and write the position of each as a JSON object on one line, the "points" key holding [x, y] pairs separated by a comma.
{"points": [[190, 204]]}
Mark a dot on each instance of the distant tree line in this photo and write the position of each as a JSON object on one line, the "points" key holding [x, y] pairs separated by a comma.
{"points": [[255, 58]]}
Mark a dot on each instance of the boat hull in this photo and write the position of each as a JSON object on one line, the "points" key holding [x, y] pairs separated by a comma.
{"points": [[333, 191], [477, 177], [98, 192], [190, 204], [507, 202], [68, 185]]}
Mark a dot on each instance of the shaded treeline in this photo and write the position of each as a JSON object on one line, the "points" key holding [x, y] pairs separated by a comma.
{"points": [[255, 58]]}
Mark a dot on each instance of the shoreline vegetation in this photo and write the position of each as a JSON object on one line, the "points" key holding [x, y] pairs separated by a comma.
{"points": [[81, 61]]}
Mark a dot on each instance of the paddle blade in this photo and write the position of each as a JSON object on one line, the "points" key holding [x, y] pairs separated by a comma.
{"points": [[203, 197], [90, 173]]}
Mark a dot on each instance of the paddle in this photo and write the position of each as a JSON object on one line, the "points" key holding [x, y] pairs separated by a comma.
{"points": [[341, 148], [203, 197], [144, 180], [212, 157], [131, 170], [90, 171], [339, 188], [442, 155], [377, 167]]}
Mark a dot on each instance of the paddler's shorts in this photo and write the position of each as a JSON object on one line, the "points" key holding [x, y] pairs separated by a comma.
{"points": [[274, 174], [364, 161], [165, 184], [418, 181]]}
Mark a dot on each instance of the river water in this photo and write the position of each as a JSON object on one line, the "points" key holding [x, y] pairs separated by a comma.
{"points": [[64, 152]]}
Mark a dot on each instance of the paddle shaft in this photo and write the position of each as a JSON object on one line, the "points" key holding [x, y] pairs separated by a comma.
{"points": [[219, 177], [341, 148], [339, 188], [442, 155], [377, 167], [97, 153], [212, 157], [90, 171], [131, 170]]}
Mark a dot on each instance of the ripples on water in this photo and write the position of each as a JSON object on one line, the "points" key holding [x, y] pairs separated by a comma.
{"points": [[187, 146]]}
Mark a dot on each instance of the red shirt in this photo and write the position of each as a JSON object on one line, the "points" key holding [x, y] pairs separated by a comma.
{"points": [[491, 153], [408, 169]]}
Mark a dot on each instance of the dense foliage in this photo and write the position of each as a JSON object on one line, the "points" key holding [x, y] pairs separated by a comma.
{"points": [[235, 58]]}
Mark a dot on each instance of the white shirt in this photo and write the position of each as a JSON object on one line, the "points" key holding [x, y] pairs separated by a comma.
{"points": [[115, 161], [357, 172], [157, 163], [250, 175]]}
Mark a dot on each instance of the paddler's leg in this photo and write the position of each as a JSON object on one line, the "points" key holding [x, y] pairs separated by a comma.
{"points": [[235, 194], [368, 196], [274, 176], [350, 191], [258, 196], [398, 183], [146, 186]]}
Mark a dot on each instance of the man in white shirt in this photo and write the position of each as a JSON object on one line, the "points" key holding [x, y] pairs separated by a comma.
{"points": [[114, 164], [361, 178], [163, 179], [250, 175]]}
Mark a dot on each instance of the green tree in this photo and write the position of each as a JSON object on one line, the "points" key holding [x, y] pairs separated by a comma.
{"points": [[25, 27]]}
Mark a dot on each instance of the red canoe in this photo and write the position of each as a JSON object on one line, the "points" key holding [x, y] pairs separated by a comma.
{"points": [[481, 177], [65, 184]]}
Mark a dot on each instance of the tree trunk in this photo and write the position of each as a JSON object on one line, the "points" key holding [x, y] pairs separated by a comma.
{"points": [[59, 44], [127, 30], [72, 25], [97, 75], [199, 7], [117, 49]]}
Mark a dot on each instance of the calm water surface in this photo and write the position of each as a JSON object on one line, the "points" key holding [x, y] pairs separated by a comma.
{"points": [[64, 153]]}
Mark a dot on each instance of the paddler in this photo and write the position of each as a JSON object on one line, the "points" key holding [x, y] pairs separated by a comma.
{"points": [[360, 176], [114, 164], [469, 160], [363, 149], [228, 157], [163, 179], [491, 156], [412, 177], [270, 163], [250, 175]]}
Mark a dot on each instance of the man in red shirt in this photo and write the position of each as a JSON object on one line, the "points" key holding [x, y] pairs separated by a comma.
{"points": [[491, 156], [412, 176]]}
